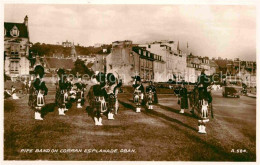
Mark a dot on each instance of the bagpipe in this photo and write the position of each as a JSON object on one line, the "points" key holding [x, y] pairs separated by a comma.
{"points": [[40, 99], [80, 95], [62, 98], [100, 104], [36, 98], [150, 97], [137, 97]]}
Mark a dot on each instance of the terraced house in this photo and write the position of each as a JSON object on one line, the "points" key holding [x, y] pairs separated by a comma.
{"points": [[128, 60], [16, 49]]}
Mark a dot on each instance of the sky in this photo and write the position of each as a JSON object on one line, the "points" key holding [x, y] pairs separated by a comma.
{"points": [[211, 30]]}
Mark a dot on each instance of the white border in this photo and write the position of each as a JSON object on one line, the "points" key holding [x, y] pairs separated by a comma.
{"points": [[177, 2]]}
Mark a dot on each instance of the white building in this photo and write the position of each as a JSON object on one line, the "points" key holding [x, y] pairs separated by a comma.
{"points": [[175, 66], [16, 49]]}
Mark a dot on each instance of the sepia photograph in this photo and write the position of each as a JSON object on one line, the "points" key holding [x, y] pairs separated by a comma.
{"points": [[129, 82]]}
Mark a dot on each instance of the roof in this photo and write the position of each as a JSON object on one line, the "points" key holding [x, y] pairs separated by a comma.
{"points": [[222, 63], [55, 63], [21, 27], [213, 63], [89, 65]]}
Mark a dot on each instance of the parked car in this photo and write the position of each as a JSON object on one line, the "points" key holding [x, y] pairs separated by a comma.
{"points": [[232, 87]]}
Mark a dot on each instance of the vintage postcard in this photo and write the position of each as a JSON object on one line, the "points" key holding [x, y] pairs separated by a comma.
{"points": [[129, 82]]}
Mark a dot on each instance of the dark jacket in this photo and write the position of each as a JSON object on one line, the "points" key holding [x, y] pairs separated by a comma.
{"points": [[40, 85], [141, 88], [152, 87], [184, 98]]}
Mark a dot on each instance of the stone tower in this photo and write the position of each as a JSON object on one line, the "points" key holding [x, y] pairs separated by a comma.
{"points": [[73, 52]]}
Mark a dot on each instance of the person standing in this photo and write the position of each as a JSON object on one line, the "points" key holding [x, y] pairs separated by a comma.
{"points": [[111, 98], [138, 93], [183, 97], [152, 88], [40, 91]]}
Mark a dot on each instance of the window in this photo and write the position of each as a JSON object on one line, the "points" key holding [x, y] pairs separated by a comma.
{"points": [[15, 49], [5, 32], [14, 66], [149, 46], [15, 32]]}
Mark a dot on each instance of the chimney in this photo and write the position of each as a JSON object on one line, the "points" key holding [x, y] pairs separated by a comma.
{"points": [[26, 20]]}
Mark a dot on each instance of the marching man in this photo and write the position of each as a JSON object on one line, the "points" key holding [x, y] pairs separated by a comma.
{"points": [[61, 94], [151, 90], [110, 91], [205, 99], [184, 98], [97, 97], [80, 93], [138, 93], [40, 91]]}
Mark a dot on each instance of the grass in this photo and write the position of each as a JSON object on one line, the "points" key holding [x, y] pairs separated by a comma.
{"points": [[162, 134]]}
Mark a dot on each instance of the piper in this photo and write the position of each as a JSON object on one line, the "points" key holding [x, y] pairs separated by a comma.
{"points": [[138, 93], [80, 93], [152, 96], [96, 96], [61, 92], [111, 97], [39, 92], [205, 99]]}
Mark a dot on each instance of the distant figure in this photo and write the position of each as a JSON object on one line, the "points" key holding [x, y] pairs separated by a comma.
{"points": [[138, 93], [7, 94], [184, 98], [13, 92], [152, 88]]}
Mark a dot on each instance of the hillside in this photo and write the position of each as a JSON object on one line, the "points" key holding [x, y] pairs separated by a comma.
{"points": [[49, 49]]}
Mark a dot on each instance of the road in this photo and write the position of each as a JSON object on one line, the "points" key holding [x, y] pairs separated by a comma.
{"points": [[160, 134]]}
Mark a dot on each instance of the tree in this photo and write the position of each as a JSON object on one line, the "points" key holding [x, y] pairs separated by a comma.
{"points": [[81, 68]]}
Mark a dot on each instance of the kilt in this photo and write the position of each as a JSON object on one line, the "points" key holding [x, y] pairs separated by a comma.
{"points": [[60, 99], [184, 103]]}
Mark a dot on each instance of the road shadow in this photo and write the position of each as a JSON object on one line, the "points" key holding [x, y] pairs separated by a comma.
{"points": [[48, 108], [174, 110], [126, 105], [161, 115], [158, 114], [91, 113]]}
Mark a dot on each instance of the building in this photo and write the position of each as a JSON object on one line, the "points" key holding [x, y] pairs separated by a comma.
{"points": [[52, 64], [73, 53], [127, 60], [175, 59], [194, 68], [98, 45], [149, 66], [87, 58], [16, 49], [205, 64], [143, 63], [213, 67], [66, 44], [100, 63], [120, 61], [222, 65]]}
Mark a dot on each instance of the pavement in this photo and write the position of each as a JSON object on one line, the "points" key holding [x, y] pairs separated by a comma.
{"points": [[161, 134], [253, 95]]}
